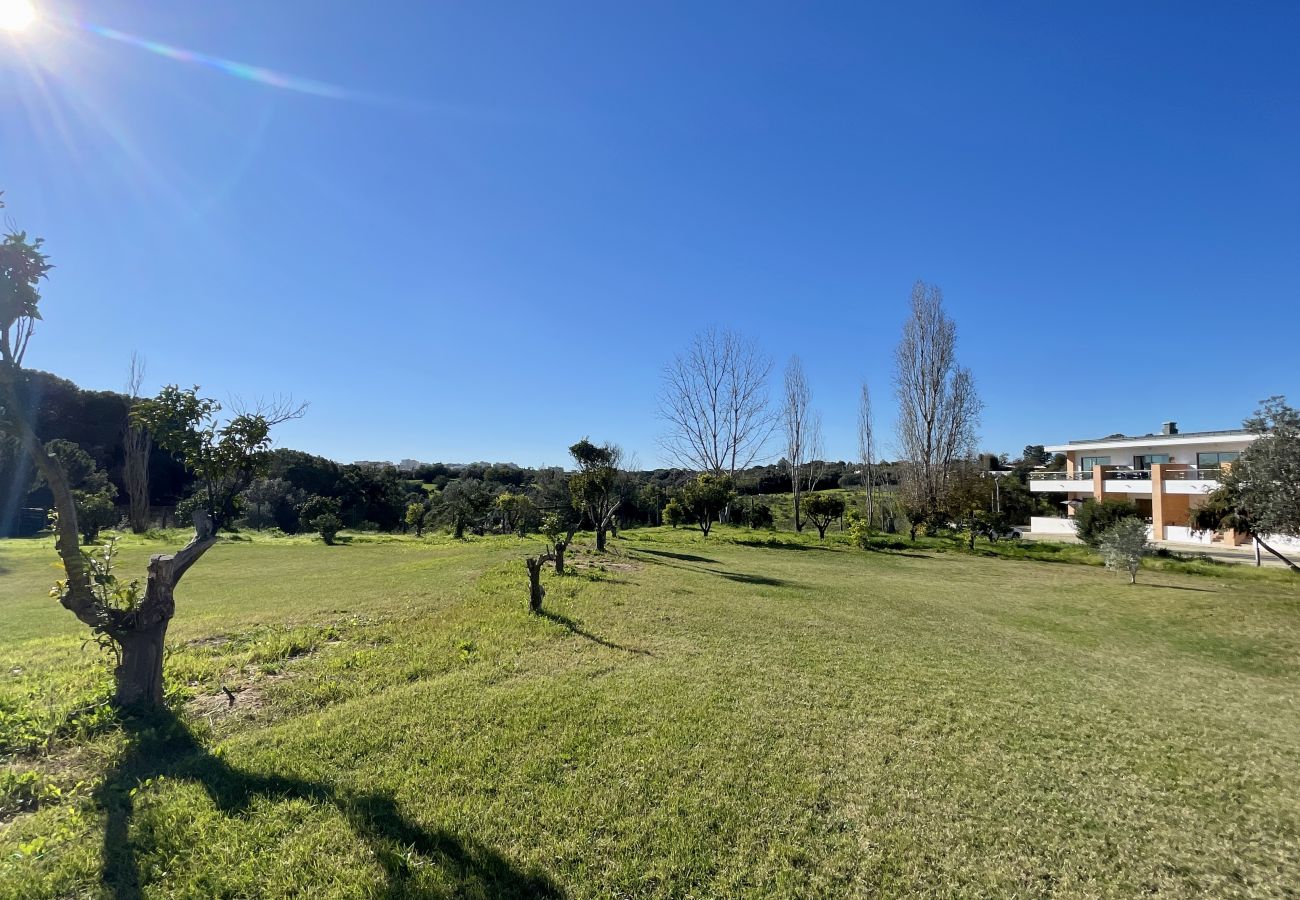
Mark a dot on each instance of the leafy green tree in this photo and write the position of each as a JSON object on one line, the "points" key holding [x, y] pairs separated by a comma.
{"points": [[706, 497], [265, 501], [1259, 493], [516, 512], [414, 518], [1123, 545], [321, 515], [822, 509], [759, 515], [464, 503], [92, 492], [1035, 455], [595, 487], [1094, 518], [674, 513]]}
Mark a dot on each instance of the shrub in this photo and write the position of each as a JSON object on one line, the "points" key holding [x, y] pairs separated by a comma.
{"points": [[328, 525], [1093, 519], [759, 516], [1123, 545], [674, 513]]}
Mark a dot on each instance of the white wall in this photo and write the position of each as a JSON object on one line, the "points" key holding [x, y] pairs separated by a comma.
{"points": [[1185, 535], [1050, 525], [1060, 526]]}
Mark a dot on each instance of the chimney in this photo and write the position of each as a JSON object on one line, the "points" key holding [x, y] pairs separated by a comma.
{"points": [[1169, 428]]}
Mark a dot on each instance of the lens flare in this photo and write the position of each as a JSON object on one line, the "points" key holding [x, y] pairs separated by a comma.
{"points": [[16, 15], [230, 67]]}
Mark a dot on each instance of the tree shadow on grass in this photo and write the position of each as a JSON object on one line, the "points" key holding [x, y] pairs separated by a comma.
{"points": [[577, 629], [742, 577], [1178, 587], [745, 578], [162, 745], [686, 557]]}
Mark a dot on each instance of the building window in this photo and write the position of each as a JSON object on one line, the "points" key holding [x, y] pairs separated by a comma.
{"points": [[1214, 460], [1086, 463], [1151, 459]]}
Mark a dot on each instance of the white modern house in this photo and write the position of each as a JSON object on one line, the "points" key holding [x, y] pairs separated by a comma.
{"points": [[1166, 475]]}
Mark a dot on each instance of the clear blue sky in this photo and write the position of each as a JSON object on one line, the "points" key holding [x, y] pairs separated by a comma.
{"points": [[489, 240]]}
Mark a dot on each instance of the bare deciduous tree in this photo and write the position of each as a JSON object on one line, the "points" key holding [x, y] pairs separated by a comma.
{"points": [[802, 429], [938, 409], [714, 399], [137, 444], [867, 450]]}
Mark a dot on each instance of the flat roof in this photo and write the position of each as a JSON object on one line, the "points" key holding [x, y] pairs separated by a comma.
{"points": [[1182, 437]]}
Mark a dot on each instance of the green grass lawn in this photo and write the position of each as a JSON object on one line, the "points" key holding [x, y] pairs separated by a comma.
{"points": [[747, 715]]}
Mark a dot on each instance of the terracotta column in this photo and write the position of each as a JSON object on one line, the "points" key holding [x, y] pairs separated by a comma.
{"points": [[1158, 501]]}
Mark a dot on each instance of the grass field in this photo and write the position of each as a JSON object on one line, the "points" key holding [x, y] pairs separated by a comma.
{"points": [[748, 715]]}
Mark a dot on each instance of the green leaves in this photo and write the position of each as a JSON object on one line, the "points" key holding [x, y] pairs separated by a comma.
{"points": [[225, 456]]}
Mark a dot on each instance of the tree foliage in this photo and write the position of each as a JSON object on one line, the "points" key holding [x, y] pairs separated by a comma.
{"points": [[1123, 545], [706, 497], [1094, 518], [823, 509], [595, 486]]}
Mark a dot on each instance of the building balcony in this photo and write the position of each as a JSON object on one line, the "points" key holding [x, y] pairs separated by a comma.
{"points": [[1125, 481]]}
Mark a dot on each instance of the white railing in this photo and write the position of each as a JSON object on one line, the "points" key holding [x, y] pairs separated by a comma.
{"points": [[1193, 474], [1060, 476]]}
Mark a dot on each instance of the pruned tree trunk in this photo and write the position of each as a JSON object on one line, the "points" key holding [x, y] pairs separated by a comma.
{"points": [[139, 675], [535, 590], [600, 538], [559, 557], [140, 633]]}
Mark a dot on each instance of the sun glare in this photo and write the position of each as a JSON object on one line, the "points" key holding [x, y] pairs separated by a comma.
{"points": [[16, 15]]}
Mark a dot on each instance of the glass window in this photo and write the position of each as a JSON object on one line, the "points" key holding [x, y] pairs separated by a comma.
{"points": [[1214, 460], [1151, 459], [1086, 463]]}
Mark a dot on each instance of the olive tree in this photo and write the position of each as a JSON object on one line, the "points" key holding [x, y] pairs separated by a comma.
{"points": [[706, 497], [132, 620], [1123, 545], [596, 486], [1259, 493], [822, 509]]}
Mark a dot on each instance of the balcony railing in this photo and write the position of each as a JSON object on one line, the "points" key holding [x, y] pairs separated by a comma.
{"points": [[1129, 475], [1194, 474], [1060, 476]]}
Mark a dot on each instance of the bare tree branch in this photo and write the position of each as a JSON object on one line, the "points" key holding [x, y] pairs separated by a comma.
{"points": [[714, 400]]}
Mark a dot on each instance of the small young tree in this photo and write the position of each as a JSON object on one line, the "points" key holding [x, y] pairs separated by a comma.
{"points": [[414, 517], [822, 509], [1123, 545], [759, 515], [674, 512], [706, 497], [321, 515], [559, 531], [1094, 518], [596, 486]]}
